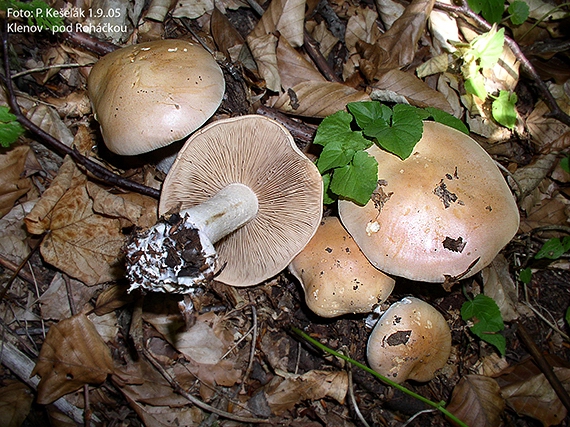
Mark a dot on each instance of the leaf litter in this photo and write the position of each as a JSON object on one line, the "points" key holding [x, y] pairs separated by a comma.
{"points": [[83, 225]]}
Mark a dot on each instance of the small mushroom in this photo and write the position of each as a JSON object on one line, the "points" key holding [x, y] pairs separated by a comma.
{"points": [[148, 95], [336, 276], [241, 184], [411, 341], [445, 211]]}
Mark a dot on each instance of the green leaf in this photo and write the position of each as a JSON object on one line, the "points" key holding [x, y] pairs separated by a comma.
{"points": [[525, 275], [554, 248], [565, 164], [328, 197], [488, 47], [484, 312], [445, 118], [339, 140], [476, 86], [503, 109], [10, 128], [404, 133], [368, 112], [491, 10], [519, 12], [357, 180]]}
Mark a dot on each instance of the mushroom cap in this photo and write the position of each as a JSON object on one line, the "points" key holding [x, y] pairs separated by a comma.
{"points": [[411, 340], [435, 213], [336, 276], [148, 95], [260, 153]]}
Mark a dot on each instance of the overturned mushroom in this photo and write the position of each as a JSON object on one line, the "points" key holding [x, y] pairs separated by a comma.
{"points": [[335, 275], [242, 185], [148, 95], [445, 211], [411, 340]]}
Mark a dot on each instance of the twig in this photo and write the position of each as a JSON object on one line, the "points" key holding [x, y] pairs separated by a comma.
{"points": [[543, 365], [94, 168], [555, 111], [89, 42], [49, 67], [17, 271], [202, 405], [353, 398], [320, 61]]}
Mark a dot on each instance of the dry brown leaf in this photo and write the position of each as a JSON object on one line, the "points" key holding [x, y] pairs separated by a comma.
{"points": [[55, 300], [476, 400], [224, 34], [284, 394], [544, 129], [443, 28], [15, 403], [72, 355], [264, 50], [48, 119], [112, 298], [415, 91], [326, 41], [361, 26], [547, 211], [107, 326], [499, 285], [13, 244], [192, 9], [530, 176], [287, 17], [389, 12], [319, 99], [400, 42], [293, 67], [528, 392], [13, 184]]}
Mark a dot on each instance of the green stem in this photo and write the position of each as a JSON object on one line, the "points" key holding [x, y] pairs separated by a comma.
{"points": [[437, 405], [542, 18]]}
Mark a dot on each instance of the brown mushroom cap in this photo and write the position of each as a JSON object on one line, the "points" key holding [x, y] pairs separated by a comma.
{"points": [[435, 213], [149, 95], [336, 276], [411, 340], [261, 154]]}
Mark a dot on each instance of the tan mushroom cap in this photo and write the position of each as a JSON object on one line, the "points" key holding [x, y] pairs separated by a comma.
{"points": [[411, 340], [149, 95], [260, 153], [336, 276], [436, 212]]}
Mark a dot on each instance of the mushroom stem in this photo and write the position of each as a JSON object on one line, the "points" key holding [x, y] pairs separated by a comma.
{"points": [[229, 209], [177, 253]]}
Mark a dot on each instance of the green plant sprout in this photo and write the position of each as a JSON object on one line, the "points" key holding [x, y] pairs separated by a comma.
{"points": [[348, 170], [440, 406], [10, 128], [486, 320], [41, 14], [493, 10]]}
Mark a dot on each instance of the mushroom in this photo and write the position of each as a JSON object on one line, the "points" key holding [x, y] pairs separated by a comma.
{"points": [[411, 341], [336, 276], [445, 211], [149, 95], [241, 184]]}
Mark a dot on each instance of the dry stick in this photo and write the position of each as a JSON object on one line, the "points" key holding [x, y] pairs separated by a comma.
{"points": [[555, 110], [544, 366], [17, 271], [95, 169], [312, 48]]}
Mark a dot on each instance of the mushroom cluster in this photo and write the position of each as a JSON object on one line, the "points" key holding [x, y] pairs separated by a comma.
{"points": [[336, 276], [148, 95], [240, 201], [445, 211]]}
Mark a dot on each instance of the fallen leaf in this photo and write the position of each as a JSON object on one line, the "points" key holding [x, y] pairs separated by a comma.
{"points": [[326, 41], [13, 244], [48, 119], [443, 28], [293, 67], [286, 17], [225, 35], [16, 400], [476, 400], [112, 298], [13, 184], [283, 394], [72, 355], [414, 90], [389, 12], [530, 176], [318, 99], [54, 302], [361, 26], [192, 9], [546, 212], [544, 129], [528, 392], [499, 285], [106, 325], [264, 50]]}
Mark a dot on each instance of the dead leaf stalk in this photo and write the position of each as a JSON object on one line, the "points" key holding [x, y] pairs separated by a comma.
{"points": [[555, 111], [18, 270], [90, 166], [544, 366]]}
